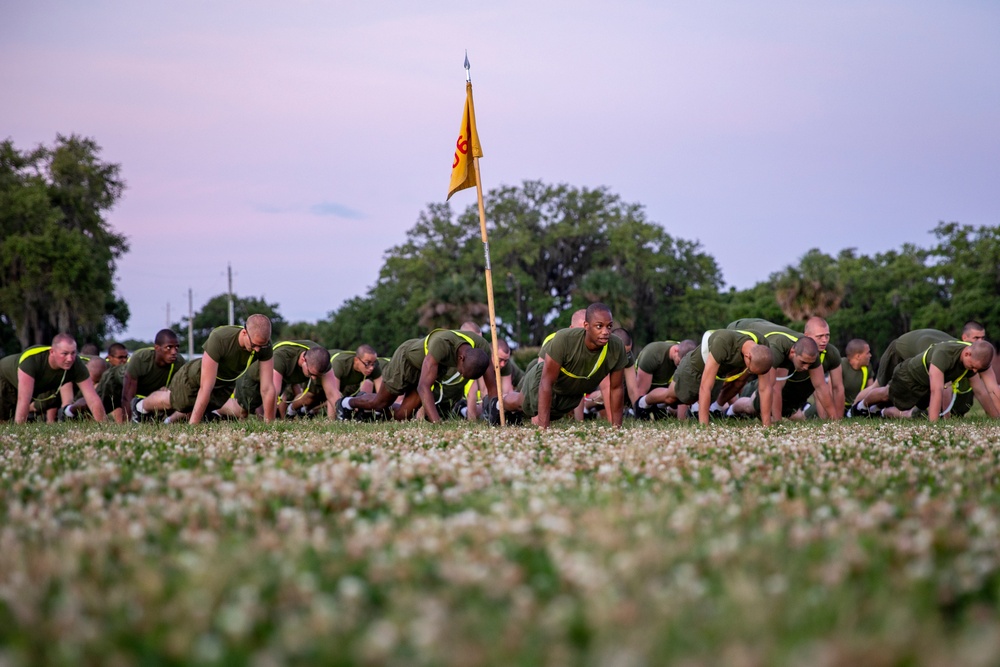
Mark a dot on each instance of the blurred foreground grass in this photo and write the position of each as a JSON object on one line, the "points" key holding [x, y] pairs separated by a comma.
{"points": [[868, 543]]}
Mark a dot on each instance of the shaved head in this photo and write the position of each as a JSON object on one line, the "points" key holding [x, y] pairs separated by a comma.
{"points": [[982, 354], [259, 326], [761, 359]]}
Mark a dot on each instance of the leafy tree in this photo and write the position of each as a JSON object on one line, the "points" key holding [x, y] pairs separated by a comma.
{"points": [[811, 289], [758, 301], [215, 313], [553, 249], [58, 255], [966, 263]]}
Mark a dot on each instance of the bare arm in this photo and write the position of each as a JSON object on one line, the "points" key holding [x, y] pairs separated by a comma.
{"points": [[937, 390], [838, 391], [93, 400], [705, 388], [25, 389], [209, 372], [765, 389], [331, 387], [614, 404], [268, 394], [981, 389], [428, 374], [824, 393]]}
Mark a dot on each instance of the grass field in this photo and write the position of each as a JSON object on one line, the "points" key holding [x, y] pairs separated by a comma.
{"points": [[868, 543]]}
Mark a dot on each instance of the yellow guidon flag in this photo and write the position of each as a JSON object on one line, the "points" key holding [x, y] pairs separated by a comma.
{"points": [[463, 174]]}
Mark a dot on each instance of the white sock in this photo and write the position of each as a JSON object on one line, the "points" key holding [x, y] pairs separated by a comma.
{"points": [[166, 420], [642, 402], [862, 406], [140, 407], [346, 403], [729, 412], [714, 406]]}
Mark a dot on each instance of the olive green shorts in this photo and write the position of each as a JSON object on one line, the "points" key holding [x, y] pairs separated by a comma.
{"points": [[399, 376], [907, 391], [184, 389], [561, 405]]}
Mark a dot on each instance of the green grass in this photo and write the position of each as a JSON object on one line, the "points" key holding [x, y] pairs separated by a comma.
{"points": [[869, 542]]}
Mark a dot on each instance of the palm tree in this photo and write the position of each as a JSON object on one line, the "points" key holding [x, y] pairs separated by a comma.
{"points": [[812, 289]]}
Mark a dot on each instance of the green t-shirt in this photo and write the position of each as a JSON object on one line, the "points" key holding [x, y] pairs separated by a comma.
{"points": [[350, 379], [148, 376], [946, 355], [726, 347], [655, 360], [779, 339], [582, 369], [443, 346], [223, 347], [35, 362], [914, 343], [512, 370], [854, 381]]}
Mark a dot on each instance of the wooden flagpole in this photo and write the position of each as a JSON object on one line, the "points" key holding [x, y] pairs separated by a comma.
{"points": [[488, 270]]}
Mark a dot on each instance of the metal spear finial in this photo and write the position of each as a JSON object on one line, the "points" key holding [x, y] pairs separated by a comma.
{"points": [[468, 74]]}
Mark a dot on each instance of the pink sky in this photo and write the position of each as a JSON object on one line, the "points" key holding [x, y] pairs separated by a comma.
{"points": [[300, 141]]}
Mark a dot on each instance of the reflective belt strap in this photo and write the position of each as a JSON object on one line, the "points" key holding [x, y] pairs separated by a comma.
{"points": [[249, 361], [38, 350], [600, 361], [253, 353], [964, 372], [704, 351], [457, 333], [864, 381]]}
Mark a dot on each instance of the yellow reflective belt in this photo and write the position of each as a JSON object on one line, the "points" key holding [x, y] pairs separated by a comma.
{"points": [[249, 361], [33, 352], [286, 343], [742, 372], [600, 360], [457, 333], [964, 371]]}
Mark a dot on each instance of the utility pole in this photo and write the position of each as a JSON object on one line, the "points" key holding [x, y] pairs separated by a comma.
{"points": [[190, 323], [232, 319]]}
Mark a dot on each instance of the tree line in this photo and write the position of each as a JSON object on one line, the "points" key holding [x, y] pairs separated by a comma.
{"points": [[554, 248]]}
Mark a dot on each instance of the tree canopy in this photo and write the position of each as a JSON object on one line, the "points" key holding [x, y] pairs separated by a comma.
{"points": [[58, 254], [215, 312], [553, 248]]}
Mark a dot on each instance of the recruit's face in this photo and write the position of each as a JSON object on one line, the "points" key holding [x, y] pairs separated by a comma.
{"points": [[821, 335], [365, 363], [973, 335], [862, 358], [970, 364], [62, 355], [250, 344], [118, 358], [167, 353], [598, 330], [802, 362]]}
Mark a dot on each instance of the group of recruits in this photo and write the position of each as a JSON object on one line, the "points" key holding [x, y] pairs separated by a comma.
{"points": [[752, 368]]}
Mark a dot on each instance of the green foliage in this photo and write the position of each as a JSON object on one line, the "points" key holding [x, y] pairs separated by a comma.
{"points": [[553, 249], [215, 313], [57, 253]]}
